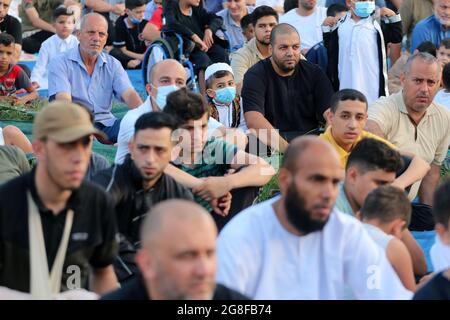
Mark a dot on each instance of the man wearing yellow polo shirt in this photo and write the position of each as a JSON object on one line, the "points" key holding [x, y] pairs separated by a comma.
{"points": [[347, 118]]}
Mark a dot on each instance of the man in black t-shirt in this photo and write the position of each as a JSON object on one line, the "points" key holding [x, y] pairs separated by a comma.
{"points": [[139, 183], [129, 46], [12, 26], [50, 213], [177, 260], [285, 93]]}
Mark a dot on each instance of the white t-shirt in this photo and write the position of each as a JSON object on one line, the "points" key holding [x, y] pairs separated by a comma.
{"points": [[440, 255], [270, 3], [309, 28], [259, 258], [358, 65], [443, 98]]}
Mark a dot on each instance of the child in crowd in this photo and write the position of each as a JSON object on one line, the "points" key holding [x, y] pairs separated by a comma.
{"points": [[443, 95], [385, 214], [224, 102], [152, 29], [247, 27], [12, 77], [443, 53], [129, 45], [61, 41], [194, 23]]}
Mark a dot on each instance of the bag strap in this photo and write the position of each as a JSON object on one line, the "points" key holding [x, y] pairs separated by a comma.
{"points": [[43, 285]]}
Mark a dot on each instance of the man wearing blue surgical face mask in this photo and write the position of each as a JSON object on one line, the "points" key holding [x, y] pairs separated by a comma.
{"points": [[356, 47], [224, 102], [167, 76]]}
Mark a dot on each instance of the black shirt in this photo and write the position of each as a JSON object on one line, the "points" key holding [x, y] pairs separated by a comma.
{"points": [[187, 26], [12, 26], [129, 38], [135, 290], [124, 183], [92, 239], [438, 288], [293, 104]]}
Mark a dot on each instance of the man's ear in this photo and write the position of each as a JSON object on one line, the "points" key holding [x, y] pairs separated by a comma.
{"points": [[130, 147], [145, 264], [329, 117], [38, 148], [270, 49], [284, 179], [402, 78], [148, 88], [397, 227]]}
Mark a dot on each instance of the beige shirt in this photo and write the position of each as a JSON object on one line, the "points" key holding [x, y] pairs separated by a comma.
{"points": [[433, 131], [244, 59]]}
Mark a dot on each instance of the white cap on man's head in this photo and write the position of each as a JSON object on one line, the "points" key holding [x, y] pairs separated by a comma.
{"points": [[219, 66]]}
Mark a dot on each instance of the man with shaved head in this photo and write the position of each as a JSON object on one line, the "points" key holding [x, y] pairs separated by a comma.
{"points": [[177, 260], [91, 77], [285, 92], [296, 246]]}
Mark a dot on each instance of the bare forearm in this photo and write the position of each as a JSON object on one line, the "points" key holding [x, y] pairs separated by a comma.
{"points": [[253, 175], [417, 255], [132, 54], [29, 97], [132, 99], [265, 132], [429, 185], [182, 177], [417, 169], [99, 5], [374, 128]]}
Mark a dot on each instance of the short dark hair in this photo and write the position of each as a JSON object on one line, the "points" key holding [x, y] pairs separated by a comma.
{"points": [[263, 11], [246, 20], [6, 39], [427, 46], [371, 154], [446, 76], [289, 5], [216, 75], [185, 105], [155, 120], [282, 28], [445, 43], [61, 10], [335, 8], [132, 4], [441, 204], [344, 95], [387, 203]]}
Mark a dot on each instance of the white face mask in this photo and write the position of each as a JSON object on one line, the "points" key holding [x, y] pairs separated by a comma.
{"points": [[162, 93]]}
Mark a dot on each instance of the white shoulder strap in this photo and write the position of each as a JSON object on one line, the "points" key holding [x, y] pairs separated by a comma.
{"points": [[42, 285]]}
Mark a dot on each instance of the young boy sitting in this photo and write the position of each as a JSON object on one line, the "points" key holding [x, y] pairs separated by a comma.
{"points": [[347, 118], [212, 160], [194, 23], [61, 41], [247, 27], [224, 102], [12, 77], [386, 212], [129, 45]]}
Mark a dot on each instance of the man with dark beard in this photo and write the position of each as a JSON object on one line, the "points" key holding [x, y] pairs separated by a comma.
{"points": [[295, 246], [284, 92]]}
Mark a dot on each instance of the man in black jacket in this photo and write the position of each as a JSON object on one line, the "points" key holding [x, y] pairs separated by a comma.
{"points": [[178, 257], [139, 183]]}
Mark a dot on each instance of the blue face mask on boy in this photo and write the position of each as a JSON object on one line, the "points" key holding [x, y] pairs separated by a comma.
{"points": [[225, 95], [134, 20], [363, 9]]}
